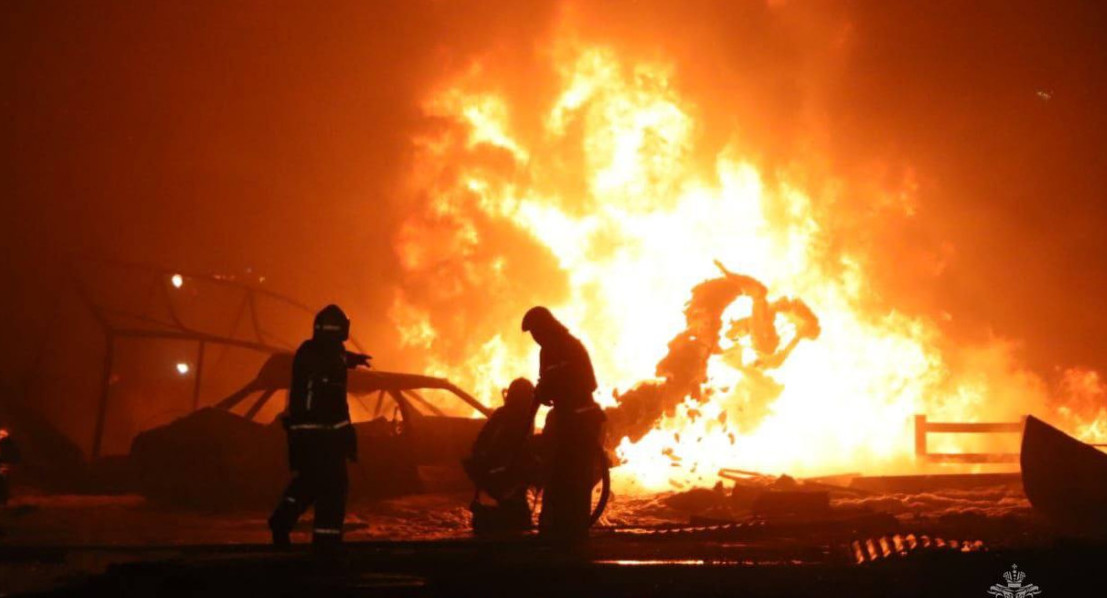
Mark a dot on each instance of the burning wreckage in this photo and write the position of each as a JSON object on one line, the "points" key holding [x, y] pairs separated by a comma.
{"points": [[215, 458], [221, 457]]}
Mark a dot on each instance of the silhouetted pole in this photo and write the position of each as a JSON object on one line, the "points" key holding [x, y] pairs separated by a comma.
{"points": [[920, 435], [105, 392], [199, 372]]}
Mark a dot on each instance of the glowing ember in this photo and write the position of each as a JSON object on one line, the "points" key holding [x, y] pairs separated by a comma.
{"points": [[183, 368], [603, 206], [177, 280]]}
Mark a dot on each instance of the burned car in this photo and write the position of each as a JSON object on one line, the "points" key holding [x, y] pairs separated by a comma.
{"points": [[412, 433]]}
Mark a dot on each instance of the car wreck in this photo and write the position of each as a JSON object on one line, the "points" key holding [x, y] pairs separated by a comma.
{"points": [[217, 459]]}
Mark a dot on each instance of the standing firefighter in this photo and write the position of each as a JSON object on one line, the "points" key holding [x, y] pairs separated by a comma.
{"points": [[320, 436], [575, 424]]}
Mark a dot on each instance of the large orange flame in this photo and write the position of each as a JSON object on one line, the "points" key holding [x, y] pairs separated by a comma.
{"points": [[601, 205]]}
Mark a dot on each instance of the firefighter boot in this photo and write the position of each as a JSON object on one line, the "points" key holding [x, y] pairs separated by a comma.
{"points": [[282, 537], [282, 521]]}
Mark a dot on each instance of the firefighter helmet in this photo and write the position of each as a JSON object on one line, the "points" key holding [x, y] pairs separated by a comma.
{"points": [[538, 318], [519, 394], [331, 322]]}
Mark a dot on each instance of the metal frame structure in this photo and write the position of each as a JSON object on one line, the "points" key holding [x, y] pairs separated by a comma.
{"points": [[147, 325]]}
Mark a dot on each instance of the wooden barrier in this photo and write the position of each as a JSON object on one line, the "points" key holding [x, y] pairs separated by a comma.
{"points": [[923, 427]]}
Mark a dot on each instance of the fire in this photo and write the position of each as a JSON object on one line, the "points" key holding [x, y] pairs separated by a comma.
{"points": [[602, 206]]}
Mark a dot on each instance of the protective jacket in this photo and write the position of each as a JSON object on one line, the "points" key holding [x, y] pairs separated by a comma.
{"points": [[317, 408], [500, 457], [565, 376]]}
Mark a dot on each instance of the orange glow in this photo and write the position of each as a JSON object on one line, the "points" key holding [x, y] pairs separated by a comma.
{"points": [[644, 227]]}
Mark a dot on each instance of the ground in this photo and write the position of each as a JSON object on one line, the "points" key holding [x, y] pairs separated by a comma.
{"points": [[930, 543]]}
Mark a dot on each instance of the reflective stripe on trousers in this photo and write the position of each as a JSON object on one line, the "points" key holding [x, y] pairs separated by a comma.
{"points": [[337, 426]]}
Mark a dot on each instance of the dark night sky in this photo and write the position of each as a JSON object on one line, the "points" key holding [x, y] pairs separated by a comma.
{"points": [[217, 136]]}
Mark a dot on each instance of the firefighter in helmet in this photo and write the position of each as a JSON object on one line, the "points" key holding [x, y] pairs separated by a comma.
{"points": [[500, 463], [321, 438], [575, 426]]}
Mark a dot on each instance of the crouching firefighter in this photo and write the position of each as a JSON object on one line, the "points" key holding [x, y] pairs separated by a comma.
{"points": [[574, 427], [502, 462], [321, 438]]}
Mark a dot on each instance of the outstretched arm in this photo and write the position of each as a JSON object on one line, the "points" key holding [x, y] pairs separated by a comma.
{"points": [[355, 359]]}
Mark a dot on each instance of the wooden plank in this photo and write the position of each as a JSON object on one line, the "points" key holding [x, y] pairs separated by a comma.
{"points": [[920, 434], [740, 475], [972, 457], [973, 428]]}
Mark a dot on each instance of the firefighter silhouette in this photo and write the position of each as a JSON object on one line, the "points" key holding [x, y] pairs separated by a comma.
{"points": [[501, 461], [321, 438], [575, 426]]}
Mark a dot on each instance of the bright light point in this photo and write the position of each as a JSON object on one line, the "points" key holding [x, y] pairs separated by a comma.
{"points": [[182, 368], [177, 280]]}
